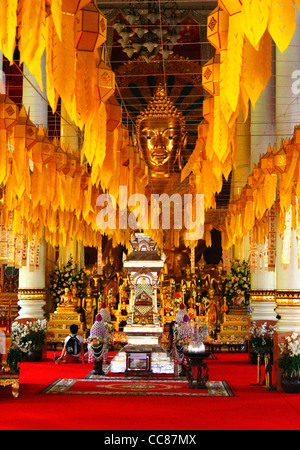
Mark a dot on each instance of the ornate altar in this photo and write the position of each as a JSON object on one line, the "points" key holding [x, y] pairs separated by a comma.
{"points": [[65, 315], [8, 378], [203, 296], [144, 266], [201, 293], [144, 328], [9, 283]]}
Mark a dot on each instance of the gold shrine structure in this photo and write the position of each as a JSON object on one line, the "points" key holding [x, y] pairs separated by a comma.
{"points": [[66, 314], [142, 293], [144, 328]]}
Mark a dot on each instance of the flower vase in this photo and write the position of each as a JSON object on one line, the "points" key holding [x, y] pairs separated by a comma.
{"points": [[196, 347], [290, 385], [34, 355]]}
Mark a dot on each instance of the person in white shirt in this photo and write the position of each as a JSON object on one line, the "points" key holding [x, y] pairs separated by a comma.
{"points": [[73, 347]]}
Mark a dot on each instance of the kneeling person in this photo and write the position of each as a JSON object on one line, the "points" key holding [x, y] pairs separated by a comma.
{"points": [[73, 347]]}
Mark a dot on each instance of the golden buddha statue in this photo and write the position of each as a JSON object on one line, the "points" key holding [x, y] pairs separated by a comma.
{"points": [[76, 300], [162, 136], [224, 307], [190, 280], [89, 305], [66, 304]]}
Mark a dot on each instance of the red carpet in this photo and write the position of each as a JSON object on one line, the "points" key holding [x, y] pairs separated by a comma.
{"points": [[252, 407]]}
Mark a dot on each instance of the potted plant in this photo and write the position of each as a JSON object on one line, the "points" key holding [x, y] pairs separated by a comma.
{"points": [[261, 341], [290, 363], [14, 358], [27, 338]]}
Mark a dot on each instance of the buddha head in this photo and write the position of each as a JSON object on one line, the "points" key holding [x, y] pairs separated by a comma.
{"points": [[88, 290], [161, 135]]}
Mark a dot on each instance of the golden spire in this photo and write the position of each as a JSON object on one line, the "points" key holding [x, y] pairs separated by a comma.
{"points": [[160, 106]]}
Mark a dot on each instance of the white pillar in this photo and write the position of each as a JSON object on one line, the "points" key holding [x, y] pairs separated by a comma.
{"points": [[240, 175], [70, 140], [2, 76], [287, 117], [31, 293], [263, 132], [287, 280], [33, 97], [287, 102]]}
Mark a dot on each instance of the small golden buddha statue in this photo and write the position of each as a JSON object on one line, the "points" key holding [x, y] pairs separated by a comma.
{"points": [[162, 136], [66, 304], [224, 307], [188, 277], [192, 314], [191, 302], [76, 299], [168, 306], [89, 305], [201, 265]]}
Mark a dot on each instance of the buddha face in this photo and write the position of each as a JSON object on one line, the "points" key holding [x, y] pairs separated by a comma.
{"points": [[161, 140]]}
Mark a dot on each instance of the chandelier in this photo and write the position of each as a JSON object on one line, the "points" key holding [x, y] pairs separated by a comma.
{"points": [[146, 28]]}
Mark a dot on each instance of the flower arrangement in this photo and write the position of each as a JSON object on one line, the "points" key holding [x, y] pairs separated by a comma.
{"points": [[29, 336], [66, 277], [290, 361], [110, 333], [190, 333], [25, 337], [177, 298], [261, 338], [96, 341], [97, 347], [238, 283]]}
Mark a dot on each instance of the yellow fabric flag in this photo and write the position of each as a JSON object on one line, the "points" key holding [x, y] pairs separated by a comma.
{"points": [[31, 17], [57, 15], [63, 64], [224, 103], [234, 60], [8, 24], [85, 86], [94, 145], [282, 22], [51, 184], [50, 37], [270, 186], [256, 70], [3, 156], [254, 19]]}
